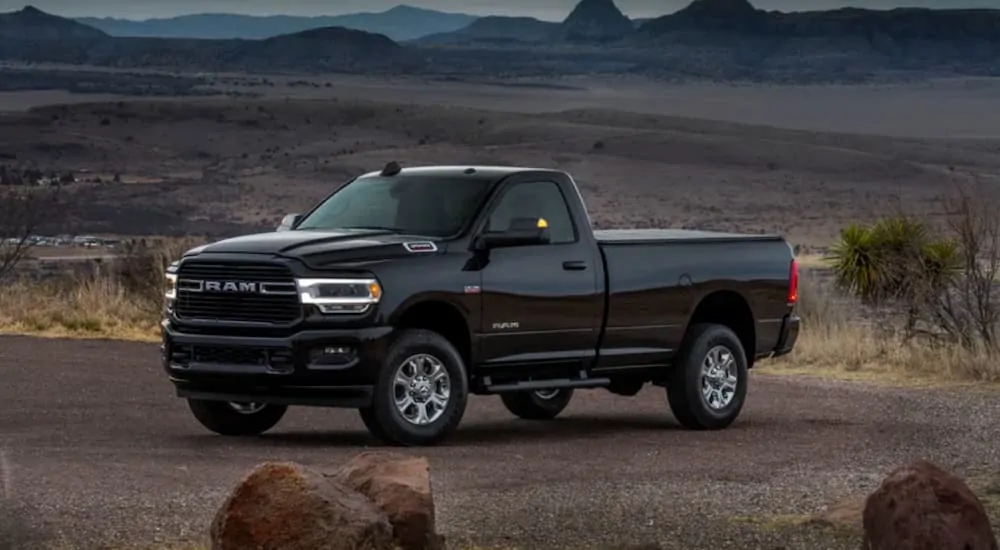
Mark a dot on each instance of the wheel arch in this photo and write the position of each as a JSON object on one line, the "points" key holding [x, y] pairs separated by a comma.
{"points": [[441, 317], [728, 308]]}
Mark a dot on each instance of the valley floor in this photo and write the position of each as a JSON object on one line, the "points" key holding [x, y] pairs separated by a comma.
{"points": [[222, 166]]}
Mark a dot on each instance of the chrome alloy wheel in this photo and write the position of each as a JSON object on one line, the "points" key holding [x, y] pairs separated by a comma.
{"points": [[719, 377], [421, 389], [547, 394]]}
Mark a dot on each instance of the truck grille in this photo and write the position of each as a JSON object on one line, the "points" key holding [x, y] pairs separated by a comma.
{"points": [[242, 292]]}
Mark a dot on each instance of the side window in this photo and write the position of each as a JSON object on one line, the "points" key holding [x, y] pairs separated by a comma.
{"points": [[535, 199]]}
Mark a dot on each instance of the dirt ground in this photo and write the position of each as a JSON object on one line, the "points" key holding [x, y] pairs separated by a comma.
{"points": [[228, 166], [99, 453]]}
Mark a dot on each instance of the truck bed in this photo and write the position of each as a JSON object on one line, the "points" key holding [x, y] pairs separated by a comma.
{"points": [[650, 236]]}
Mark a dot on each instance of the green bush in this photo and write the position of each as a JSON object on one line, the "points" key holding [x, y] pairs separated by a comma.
{"points": [[895, 259]]}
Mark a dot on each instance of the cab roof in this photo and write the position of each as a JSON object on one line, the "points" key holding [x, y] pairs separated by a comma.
{"points": [[492, 173]]}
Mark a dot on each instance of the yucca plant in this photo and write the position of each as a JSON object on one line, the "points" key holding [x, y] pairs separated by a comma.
{"points": [[892, 259], [855, 261]]}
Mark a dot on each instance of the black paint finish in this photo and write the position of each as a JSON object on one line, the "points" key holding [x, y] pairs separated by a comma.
{"points": [[611, 302]]}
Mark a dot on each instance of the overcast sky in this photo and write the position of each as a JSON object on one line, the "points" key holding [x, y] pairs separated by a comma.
{"points": [[544, 9]]}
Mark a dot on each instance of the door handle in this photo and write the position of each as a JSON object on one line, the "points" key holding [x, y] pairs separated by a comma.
{"points": [[575, 266]]}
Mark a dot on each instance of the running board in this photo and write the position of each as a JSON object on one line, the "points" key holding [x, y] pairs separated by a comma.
{"points": [[551, 384]]}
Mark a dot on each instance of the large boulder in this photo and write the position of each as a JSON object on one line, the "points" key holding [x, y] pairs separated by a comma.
{"points": [[287, 506], [400, 486], [922, 507]]}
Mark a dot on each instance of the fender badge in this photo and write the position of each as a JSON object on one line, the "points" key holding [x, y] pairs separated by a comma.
{"points": [[423, 246]]}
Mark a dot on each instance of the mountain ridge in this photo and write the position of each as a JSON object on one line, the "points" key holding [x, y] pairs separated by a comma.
{"points": [[336, 49], [595, 20], [402, 22], [496, 28], [709, 39], [31, 23]]}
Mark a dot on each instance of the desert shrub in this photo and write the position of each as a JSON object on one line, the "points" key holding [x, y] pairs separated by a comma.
{"points": [[893, 259], [119, 299], [140, 268], [942, 281], [23, 211], [818, 307]]}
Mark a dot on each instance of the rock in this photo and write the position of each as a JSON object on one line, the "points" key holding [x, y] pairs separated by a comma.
{"points": [[287, 506], [922, 507], [400, 486]]}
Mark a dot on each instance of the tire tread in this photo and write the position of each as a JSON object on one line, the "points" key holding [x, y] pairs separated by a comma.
{"points": [[385, 423], [684, 389]]}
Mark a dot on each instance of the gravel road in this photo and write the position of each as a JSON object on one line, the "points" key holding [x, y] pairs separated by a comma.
{"points": [[99, 447]]}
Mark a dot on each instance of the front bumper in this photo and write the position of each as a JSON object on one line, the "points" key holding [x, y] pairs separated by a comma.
{"points": [[334, 368], [788, 336]]}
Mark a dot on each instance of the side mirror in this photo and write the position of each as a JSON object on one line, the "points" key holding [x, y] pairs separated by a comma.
{"points": [[522, 232], [289, 222]]}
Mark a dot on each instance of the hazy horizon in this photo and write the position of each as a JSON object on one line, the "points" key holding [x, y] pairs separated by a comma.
{"points": [[542, 9]]}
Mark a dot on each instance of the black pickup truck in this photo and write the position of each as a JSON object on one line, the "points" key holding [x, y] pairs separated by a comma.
{"points": [[406, 290]]}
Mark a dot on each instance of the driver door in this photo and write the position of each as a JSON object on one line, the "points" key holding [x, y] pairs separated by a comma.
{"points": [[541, 303]]}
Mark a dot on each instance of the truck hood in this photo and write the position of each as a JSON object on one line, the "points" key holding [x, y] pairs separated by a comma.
{"points": [[327, 247]]}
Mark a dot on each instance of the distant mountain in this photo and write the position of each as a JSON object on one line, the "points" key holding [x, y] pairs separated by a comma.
{"points": [[595, 20], [734, 38], [590, 20], [399, 23], [709, 39], [33, 24], [332, 49], [496, 28], [739, 17]]}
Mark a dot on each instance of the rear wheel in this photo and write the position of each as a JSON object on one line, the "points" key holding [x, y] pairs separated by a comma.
{"points": [[537, 404], [708, 385], [421, 391], [236, 419]]}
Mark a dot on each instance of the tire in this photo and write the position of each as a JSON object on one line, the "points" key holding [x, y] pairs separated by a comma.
{"points": [[684, 383], [537, 405], [412, 349], [224, 418], [371, 423]]}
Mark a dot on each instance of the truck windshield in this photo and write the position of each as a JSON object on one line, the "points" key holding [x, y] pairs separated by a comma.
{"points": [[416, 205]]}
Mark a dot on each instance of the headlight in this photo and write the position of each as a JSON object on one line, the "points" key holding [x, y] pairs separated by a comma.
{"points": [[171, 292], [339, 295]]}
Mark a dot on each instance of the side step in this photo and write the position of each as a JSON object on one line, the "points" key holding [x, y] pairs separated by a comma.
{"points": [[550, 384]]}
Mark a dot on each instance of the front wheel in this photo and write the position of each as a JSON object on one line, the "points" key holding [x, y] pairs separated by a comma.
{"points": [[708, 385], [421, 391], [538, 404], [237, 419]]}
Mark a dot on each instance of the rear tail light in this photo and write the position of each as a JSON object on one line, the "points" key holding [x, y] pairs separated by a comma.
{"points": [[793, 283]]}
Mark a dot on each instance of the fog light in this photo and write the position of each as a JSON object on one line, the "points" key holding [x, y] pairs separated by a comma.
{"points": [[180, 356], [332, 355], [343, 308]]}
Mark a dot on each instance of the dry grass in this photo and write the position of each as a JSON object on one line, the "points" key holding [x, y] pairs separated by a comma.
{"points": [[97, 308], [121, 301], [836, 341]]}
